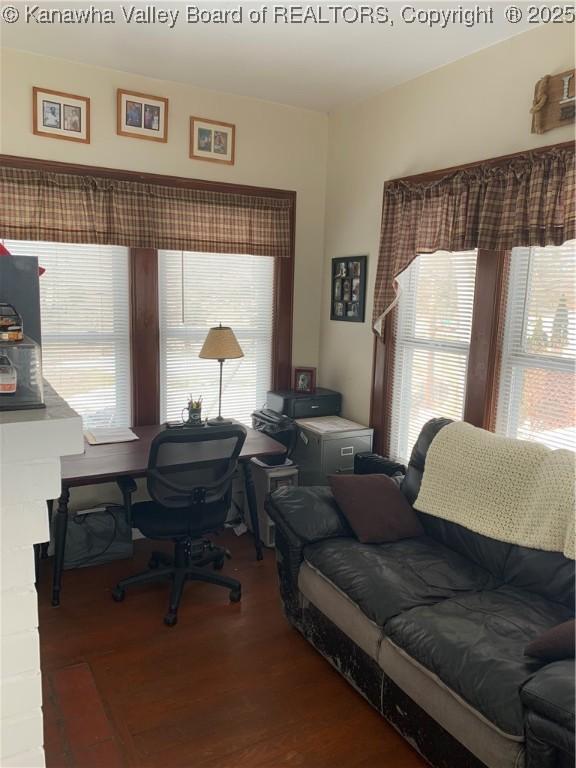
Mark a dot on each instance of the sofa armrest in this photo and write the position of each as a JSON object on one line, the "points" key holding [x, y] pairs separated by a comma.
{"points": [[302, 516], [309, 513], [550, 693], [372, 464]]}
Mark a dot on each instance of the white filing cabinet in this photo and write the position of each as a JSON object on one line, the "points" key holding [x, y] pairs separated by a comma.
{"points": [[327, 446]]}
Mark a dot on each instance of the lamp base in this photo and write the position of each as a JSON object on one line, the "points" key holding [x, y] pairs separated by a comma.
{"points": [[219, 422]]}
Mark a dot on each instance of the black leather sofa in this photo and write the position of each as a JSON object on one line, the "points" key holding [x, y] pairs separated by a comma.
{"points": [[432, 630]]}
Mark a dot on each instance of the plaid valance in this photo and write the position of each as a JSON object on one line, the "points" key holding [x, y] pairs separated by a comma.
{"points": [[528, 200], [68, 208]]}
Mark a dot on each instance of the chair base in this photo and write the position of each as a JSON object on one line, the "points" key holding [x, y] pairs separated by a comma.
{"points": [[188, 564]]}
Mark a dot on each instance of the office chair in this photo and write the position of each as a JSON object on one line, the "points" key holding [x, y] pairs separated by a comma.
{"points": [[189, 480]]}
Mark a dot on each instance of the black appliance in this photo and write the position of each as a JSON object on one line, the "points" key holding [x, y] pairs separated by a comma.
{"points": [[280, 428], [302, 405]]}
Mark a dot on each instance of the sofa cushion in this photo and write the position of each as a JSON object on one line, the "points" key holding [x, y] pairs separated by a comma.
{"points": [[386, 579], [475, 644], [375, 507]]}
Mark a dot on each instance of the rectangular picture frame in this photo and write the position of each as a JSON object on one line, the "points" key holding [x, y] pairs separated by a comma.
{"points": [[212, 140], [141, 116], [60, 115], [348, 289], [304, 380]]}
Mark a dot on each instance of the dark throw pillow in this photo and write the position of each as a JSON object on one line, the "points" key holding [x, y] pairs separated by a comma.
{"points": [[375, 507], [555, 644]]}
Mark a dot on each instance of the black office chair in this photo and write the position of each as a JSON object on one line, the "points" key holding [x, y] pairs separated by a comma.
{"points": [[189, 478]]}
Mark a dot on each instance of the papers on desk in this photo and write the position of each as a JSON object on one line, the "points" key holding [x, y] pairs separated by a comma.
{"points": [[109, 435], [323, 425]]}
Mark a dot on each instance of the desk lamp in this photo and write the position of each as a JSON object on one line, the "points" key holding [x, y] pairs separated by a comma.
{"points": [[220, 344]]}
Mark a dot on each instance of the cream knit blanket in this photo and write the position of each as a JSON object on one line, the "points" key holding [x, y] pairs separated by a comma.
{"points": [[511, 490]]}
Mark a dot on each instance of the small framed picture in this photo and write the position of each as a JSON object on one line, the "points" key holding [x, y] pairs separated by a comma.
{"points": [[349, 289], [305, 380], [61, 115], [141, 116], [212, 140]]}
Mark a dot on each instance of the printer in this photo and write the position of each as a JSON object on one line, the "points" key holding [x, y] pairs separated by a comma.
{"points": [[304, 405]]}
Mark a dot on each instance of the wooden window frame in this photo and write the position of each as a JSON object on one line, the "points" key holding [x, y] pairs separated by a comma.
{"points": [[482, 373], [144, 306]]}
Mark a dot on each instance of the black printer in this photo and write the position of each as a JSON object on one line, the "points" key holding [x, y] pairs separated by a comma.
{"points": [[303, 405]]}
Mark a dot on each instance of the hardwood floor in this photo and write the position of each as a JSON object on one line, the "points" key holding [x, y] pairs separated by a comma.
{"points": [[231, 686]]}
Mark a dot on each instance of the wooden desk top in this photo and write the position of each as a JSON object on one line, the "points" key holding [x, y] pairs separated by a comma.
{"points": [[100, 463]]}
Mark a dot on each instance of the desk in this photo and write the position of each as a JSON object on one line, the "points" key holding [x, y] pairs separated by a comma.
{"points": [[106, 463]]}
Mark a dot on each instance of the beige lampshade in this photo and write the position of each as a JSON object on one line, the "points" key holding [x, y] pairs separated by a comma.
{"points": [[221, 344]]}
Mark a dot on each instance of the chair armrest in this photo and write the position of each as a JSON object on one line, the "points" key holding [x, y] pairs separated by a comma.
{"points": [[126, 485], [550, 693], [309, 513], [372, 464]]}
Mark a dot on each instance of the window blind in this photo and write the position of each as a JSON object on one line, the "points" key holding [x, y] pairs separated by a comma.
{"points": [[201, 290], [433, 321], [537, 375], [84, 300]]}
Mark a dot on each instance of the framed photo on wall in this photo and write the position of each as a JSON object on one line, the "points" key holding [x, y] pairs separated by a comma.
{"points": [[60, 115], [348, 298], [141, 116], [212, 140]]}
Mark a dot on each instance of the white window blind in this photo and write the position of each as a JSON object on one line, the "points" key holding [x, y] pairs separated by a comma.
{"points": [[537, 376], [433, 324], [84, 299], [201, 290]]}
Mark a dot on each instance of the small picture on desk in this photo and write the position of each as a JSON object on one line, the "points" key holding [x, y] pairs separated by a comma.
{"points": [[305, 380]]}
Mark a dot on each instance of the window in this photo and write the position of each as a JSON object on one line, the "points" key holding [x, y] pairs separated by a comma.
{"points": [[84, 299], [196, 292], [432, 329], [537, 376]]}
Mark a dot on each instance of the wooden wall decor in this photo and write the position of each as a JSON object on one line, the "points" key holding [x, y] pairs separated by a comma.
{"points": [[554, 102]]}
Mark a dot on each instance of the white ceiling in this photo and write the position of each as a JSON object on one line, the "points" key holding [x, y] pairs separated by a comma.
{"points": [[317, 66]]}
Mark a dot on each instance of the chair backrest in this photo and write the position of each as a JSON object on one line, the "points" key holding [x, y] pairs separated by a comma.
{"points": [[189, 468]]}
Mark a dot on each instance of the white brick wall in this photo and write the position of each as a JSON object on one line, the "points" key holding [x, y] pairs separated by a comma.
{"points": [[31, 444]]}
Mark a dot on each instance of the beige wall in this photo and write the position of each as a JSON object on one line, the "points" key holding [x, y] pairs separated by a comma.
{"points": [[276, 146], [473, 109]]}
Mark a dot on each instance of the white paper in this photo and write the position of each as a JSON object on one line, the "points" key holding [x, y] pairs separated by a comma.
{"points": [[325, 424], [105, 435]]}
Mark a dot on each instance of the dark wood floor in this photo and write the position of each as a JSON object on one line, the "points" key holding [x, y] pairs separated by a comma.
{"points": [[231, 686]]}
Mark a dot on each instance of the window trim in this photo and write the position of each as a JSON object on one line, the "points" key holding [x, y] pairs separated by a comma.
{"points": [[483, 362], [143, 275]]}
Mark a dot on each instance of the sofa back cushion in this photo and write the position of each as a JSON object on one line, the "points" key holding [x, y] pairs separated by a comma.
{"points": [[549, 574], [488, 553]]}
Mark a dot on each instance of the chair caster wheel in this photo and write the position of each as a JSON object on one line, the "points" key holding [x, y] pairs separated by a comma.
{"points": [[235, 596], [118, 594], [170, 619], [218, 564]]}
